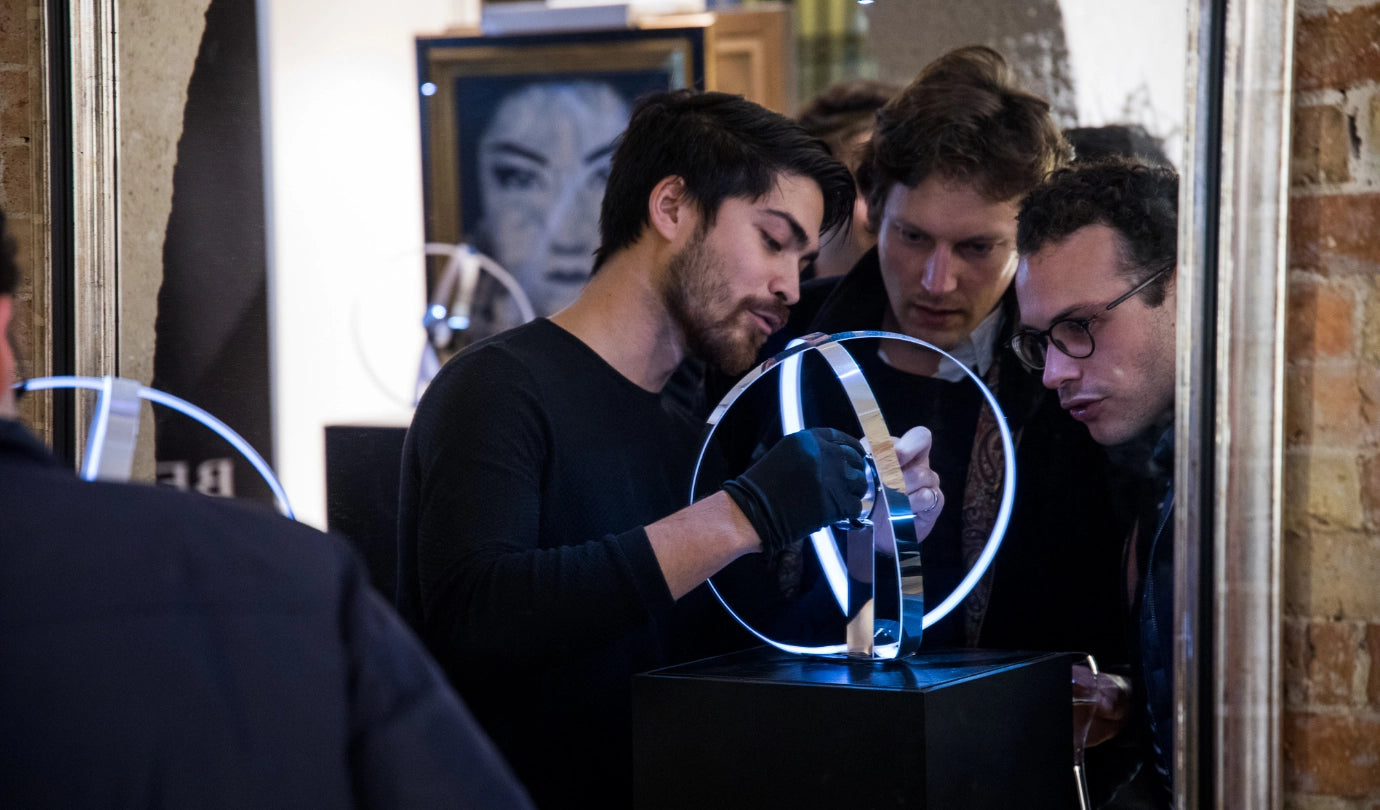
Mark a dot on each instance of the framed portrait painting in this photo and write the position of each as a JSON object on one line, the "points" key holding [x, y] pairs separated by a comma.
{"points": [[517, 134]]}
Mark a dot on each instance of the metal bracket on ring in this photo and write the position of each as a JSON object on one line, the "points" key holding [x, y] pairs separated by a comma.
{"points": [[848, 571]]}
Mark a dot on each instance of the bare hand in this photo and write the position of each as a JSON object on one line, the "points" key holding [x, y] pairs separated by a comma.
{"points": [[1101, 704], [922, 483]]}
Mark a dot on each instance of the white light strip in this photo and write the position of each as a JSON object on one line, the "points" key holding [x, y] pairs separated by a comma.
{"points": [[180, 405], [793, 420], [100, 424]]}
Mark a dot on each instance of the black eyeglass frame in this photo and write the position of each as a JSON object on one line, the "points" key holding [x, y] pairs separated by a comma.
{"points": [[1046, 338]]}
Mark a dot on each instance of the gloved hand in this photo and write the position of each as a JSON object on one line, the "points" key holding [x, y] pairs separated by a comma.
{"points": [[807, 480]]}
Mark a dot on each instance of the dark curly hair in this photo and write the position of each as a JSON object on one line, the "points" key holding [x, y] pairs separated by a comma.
{"points": [[722, 146], [965, 118], [1139, 201], [9, 268]]}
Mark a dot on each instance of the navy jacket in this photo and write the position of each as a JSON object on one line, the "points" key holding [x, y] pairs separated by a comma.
{"points": [[159, 649]]}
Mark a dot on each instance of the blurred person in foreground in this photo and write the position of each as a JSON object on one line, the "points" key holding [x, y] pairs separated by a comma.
{"points": [[164, 649]]}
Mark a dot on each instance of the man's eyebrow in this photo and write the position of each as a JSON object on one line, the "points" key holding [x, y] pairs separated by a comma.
{"points": [[601, 153], [798, 236], [1064, 314], [1068, 311], [510, 148]]}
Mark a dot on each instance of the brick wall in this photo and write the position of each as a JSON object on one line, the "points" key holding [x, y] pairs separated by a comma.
{"points": [[1331, 558]]}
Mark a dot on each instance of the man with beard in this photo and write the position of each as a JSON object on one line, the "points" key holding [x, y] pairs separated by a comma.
{"points": [[1096, 287], [546, 552]]}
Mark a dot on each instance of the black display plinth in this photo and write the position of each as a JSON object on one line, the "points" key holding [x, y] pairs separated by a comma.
{"points": [[762, 728]]}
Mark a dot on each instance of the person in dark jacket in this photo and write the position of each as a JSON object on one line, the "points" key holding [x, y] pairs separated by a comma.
{"points": [[950, 159], [162, 649], [1097, 284], [546, 553]]}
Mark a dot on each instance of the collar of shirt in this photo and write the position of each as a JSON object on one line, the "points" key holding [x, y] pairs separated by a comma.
{"points": [[977, 351]]}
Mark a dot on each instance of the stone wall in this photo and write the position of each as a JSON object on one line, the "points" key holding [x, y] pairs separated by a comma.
{"points": [[23, 186], [1331, 557]]}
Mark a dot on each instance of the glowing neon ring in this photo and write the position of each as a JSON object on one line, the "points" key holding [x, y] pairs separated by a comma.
{"points": [[186, 408], [826, 551]]}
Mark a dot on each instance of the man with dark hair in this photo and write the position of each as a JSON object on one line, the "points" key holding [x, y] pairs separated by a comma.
{"points": [[163, 649], [1097, 283], [842, 117], [1131, 141], [948, 163], [546, 551]]}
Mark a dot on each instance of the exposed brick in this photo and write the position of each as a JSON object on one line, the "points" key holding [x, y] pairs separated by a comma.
{"points": [[1370, 322], [1333, 225], [1295, 655], [1372, 144], [1338, 49], [1333, 652], [1321, 147], [1373, 649], [1332, 574], [1301, 801], [1323, 403], [1320, 319], [1334, 491], [1330, 754], [1368, 378], [1370, 487]]}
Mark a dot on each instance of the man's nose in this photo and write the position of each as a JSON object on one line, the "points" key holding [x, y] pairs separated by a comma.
{"points": [[1059, 368], [939, 277], [785, 284]]}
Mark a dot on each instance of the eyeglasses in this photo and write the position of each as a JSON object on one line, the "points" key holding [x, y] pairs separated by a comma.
{"points": [[1072, 336]]}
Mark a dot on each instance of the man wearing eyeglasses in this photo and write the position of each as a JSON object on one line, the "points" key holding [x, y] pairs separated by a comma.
{"points": [[1096, 287]]}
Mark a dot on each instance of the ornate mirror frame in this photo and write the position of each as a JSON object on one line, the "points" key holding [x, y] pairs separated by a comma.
{"points": [[1228, 443]]}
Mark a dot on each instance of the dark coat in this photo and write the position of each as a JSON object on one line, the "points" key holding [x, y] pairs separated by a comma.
{"points": [[159, 649]]}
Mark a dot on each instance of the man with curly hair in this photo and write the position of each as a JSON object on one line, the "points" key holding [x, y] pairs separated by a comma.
{"points": [[1097, 295]]}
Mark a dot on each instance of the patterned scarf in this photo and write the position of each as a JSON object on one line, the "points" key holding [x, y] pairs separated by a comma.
{"points": [[981, 501]]}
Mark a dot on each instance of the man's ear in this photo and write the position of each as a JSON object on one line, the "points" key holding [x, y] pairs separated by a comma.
{"points": [[670, 208]]}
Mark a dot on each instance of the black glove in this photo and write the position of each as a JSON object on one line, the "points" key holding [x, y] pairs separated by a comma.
{"points": [[807, 480]]}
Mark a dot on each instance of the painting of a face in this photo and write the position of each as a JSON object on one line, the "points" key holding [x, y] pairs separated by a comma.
{"points": [[542, 164]]}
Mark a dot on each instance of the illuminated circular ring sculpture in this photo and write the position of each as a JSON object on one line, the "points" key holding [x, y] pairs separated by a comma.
{"points": [[868, 540], [449, 311], [111, 388]]}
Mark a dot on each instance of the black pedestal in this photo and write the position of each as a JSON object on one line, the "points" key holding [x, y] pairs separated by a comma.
{"points": [[761, 728]]}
